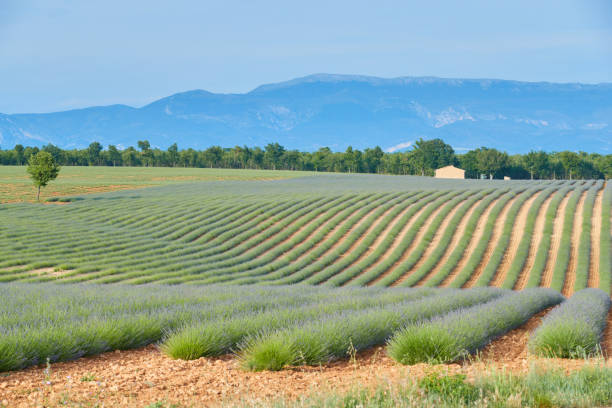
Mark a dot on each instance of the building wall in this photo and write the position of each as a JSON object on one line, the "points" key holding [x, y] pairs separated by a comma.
{"points": [[450, 173]]}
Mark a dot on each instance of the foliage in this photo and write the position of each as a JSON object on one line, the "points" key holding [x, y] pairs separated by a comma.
{"points": [[423, 159], [460, 333], [42, 169], [574, 329], [337, 335]]}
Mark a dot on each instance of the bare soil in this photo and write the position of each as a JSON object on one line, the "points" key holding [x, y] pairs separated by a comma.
{"points": [[497, 231], [555, 241], [570, 277], [458, 235], [478, 231], [538, 233], [435, 241], [378, 241], [595, 241], [398, 240], [515, 238]]}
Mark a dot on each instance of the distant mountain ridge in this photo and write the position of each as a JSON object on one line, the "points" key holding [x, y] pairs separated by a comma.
{"points": [[341, 110]]}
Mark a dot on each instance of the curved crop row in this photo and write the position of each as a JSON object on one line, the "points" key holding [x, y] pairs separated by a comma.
{"points": [[219, 336], [464, 275], [462, 332], [495, 260], [574, 329], [437, 254], [583, 262], [459, 252], [542, 254], [339, 335], [605, 246], [559, 276], [522, 250]]}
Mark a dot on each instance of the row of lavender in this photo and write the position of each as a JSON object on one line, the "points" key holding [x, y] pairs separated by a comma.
{"points": [[439, 329]]}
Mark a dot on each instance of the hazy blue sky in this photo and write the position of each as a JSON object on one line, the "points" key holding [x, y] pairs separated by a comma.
{"points": [[62, 54]]}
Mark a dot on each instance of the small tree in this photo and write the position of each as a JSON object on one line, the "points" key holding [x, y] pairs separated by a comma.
{"points": [[42, 169]]}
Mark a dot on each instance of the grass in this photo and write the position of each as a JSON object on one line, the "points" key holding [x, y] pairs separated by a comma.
{"points": [[541, 387], [15, 185]]}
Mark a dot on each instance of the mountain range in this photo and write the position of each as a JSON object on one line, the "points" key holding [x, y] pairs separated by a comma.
{"points": [[342, 110]]}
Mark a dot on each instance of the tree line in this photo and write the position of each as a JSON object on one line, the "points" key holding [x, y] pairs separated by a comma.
{"points": [[422, 159]]}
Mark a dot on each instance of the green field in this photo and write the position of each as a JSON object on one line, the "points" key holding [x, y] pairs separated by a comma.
{"points": [[15, 185]]}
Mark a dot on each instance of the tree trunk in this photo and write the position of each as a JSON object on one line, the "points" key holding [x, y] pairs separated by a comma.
{"points": [[38, 194], [532, 175]]}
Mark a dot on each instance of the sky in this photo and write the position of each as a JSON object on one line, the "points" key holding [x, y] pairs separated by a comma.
{"points": [[65, 54]]}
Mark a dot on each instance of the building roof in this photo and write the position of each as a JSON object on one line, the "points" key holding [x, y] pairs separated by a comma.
{"points": [[450, 167]]}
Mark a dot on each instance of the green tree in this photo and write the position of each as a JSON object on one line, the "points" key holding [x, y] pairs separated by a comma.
{"points": [[536, 163], [42, 169], [114, 155], [490, 161], [19, 154], [93, 153], [429, 155], [173, 154], [273, 153], [571, 162], [145, 152]]}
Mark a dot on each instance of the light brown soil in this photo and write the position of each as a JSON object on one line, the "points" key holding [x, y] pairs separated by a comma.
{"points": [[335, 219], [140, 377], [398, 240], [11, 268], [458, 235], [334, 230], [515, 238], [365, 234], [497, 231], [538, 232], [555, 241], [476, 236], [294, 233], [570, 277], [593, 281], [378, 241], [435, 241]]}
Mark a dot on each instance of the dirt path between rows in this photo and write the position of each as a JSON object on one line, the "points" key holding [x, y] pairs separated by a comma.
{"points": [[363, 236], [398, 240], [515, 238], [538, 233], [379, 240], [593, 281], [570, 274], [434, 241], [478, 231], [555, 241], [297, 231], [457, 236], [141, 377], [497, 231], [335, 229]]}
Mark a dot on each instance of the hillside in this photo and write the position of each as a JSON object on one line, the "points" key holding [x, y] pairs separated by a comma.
{"points": [[342, 110], [327, 229]]}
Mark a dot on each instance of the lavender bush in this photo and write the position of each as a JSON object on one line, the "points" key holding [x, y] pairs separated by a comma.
{"points": [[461, 332], [574, 329]]}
